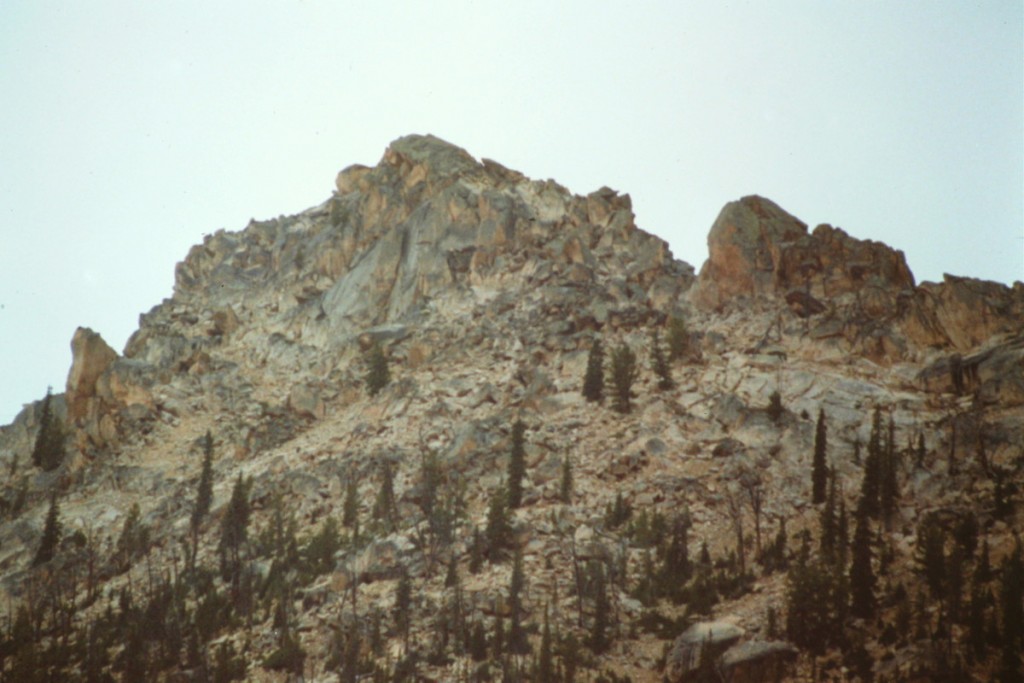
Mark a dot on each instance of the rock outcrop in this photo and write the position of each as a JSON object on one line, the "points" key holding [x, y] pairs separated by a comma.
{"points": [[856, 292]]}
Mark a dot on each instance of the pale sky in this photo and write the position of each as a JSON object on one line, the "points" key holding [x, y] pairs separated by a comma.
{"points": [[129, 129]]}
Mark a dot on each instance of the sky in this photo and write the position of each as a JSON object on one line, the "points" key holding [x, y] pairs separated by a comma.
{"points": [[129, 129]]}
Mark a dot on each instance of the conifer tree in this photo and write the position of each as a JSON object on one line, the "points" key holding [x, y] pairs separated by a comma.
{"points": [[204, 494], [235, 525], [48, 451], [599, 638], [819, 470], [931, 556], [517, 465], [593, 379], [1011, 596], [52, 528], [889, 492], [378, 374], [350, 507], [545, 659], [517, 641], [678, 339], [659, 363], [829, 522], [809, 598], [565, 485], [499, 531], [871, 484], [402, 609], [134, 539], [624, 373], [862, 573], [384, 506]]}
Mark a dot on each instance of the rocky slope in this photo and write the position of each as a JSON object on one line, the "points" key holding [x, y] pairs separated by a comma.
{"points": [[486, 289]]}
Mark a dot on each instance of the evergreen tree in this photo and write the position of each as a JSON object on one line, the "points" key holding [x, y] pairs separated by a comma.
{"points": [[871, 484], [931, 558], [499, 531], [678, 339], [134, 539], [235, 525], [378, 374], [599, 637], [889, 492], [593, 379], [862, 574], [204, 494], [517, 465], [476, 552], [384, 507], [819, 468], [48, 451], [350, 507], [775, 409], [402, 609], [565, 485], [51, 534], [1012, 600], [829, 522], [545, 659], [517, 641], [659, 363], [624, 373], [810, 621]]}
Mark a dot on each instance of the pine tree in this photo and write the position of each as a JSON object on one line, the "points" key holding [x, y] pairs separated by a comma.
{"points": [[517, 465], [775, 409], [350, 507], [862, 574], [402, 609], [235, 525], [517, 641], [819, 473], [378, 374], [599, 638], [134, 539], [810, 621], [48, 451], [829, 522], [593, 379], [1011, 596], [871, 484], [204, 494], [565, 485], [678, 339], [889, 492], [624, 373], [545, 659], [659, 363], [931, 556], [499, 531], [51, 534], [384, 506]]}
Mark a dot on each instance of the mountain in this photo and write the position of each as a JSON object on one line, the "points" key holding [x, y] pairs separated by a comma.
{"points": [[367, 375]]}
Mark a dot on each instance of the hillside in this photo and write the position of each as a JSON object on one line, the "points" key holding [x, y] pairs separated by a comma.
{"points": [[359, 524]]}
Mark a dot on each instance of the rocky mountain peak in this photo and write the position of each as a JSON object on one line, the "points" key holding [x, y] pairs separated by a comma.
{"points": [[484, 292]]}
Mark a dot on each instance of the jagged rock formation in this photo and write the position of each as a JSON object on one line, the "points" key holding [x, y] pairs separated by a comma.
{"points": [[857, 291], [485, 289]]}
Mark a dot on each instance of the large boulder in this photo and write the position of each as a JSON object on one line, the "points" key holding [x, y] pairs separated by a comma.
{"points": [[703, 640], [757, 662]]}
